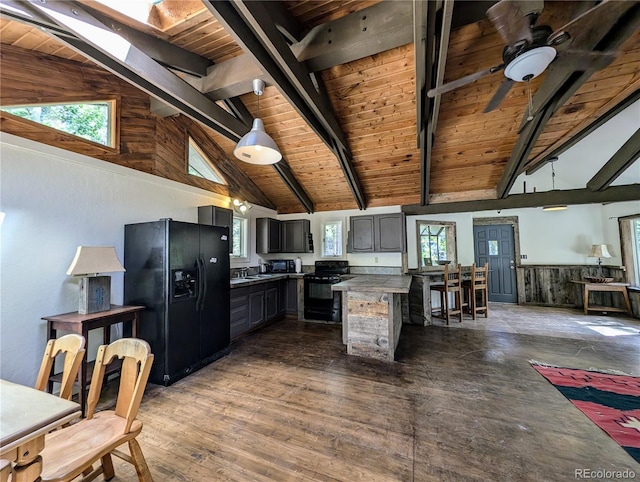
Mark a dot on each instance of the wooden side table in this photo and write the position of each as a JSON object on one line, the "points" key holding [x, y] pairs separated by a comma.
{"points": [[82, 324], [610, 287]]}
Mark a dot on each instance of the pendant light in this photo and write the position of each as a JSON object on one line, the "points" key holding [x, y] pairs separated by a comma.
{"points": [[256, 147], [554, 207]]}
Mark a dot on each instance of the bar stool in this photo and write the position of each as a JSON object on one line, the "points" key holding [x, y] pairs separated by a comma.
{"points": [[452, 284], [478, 283]]}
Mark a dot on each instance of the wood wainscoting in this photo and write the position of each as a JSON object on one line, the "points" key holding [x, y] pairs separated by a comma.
{"points": [[550, 285]]}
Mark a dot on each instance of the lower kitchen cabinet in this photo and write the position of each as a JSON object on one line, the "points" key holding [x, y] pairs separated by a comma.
{"points": [[239, 311], [271, 295], [291, 297], [256, 304]]}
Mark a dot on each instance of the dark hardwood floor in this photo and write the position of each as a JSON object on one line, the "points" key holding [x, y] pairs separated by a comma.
{"points": [[460, 403]]}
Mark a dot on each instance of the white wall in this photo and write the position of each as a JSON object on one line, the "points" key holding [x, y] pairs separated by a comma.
{"points": [[355, 259], [53, 201], [546, 237]]}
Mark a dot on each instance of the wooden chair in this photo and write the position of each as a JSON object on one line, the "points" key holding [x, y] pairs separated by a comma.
{"points": [[72, 451], [5, 470], [478, 284], [452, 284], [72, 346]]}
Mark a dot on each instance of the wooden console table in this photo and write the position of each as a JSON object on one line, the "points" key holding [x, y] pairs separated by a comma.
{"points": [[610, 287], [82, 324]]}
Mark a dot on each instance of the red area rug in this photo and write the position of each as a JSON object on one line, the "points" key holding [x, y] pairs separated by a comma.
{"points": [[612, 402]]}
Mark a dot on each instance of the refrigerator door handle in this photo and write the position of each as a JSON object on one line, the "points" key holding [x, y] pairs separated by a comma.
{"points": [[204, 283], [199, 264]]}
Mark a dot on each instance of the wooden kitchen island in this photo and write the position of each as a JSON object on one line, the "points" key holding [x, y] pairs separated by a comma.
{"points": [[372, 314]]}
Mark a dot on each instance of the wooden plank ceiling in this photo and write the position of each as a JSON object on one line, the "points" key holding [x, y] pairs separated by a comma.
{"points": [[374, 100]]}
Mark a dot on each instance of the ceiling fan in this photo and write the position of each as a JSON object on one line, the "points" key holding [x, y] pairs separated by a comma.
{"points": [[529, 48]]}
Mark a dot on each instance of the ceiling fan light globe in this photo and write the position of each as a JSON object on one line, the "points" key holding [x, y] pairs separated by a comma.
{"points": [[256, 147], [530, 64]]}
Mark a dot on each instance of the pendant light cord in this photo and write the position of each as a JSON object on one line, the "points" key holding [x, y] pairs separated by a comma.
{"points": [[553, 177]]}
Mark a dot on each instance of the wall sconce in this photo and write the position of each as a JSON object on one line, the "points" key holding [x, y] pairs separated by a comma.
{"points": [[241, 207], [95, 291]]}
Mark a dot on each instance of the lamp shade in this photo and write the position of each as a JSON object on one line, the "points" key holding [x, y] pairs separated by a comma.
{"points": [[93, 260], [599, 251], [256, 147]]}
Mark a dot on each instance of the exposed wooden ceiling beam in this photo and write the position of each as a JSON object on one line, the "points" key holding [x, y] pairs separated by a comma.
{"points": [[284, 171], [256, 16], [424, 16], [162, 98], [252, 28], [562, 81], [601, 120], [446, 15], [618, 163], [521, 150], [374, 29], [386, 25], [531, 200], [166, 53], [115, 54]]}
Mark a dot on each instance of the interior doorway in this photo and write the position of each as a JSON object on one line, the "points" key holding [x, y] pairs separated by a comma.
{"points": [[495, 242]]}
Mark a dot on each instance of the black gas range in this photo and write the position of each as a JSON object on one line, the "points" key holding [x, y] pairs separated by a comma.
{"points": [[320, 303]]}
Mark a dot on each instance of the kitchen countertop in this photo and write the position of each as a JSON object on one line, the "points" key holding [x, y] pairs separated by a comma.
{"points": [[262, 278], [376, 283]]}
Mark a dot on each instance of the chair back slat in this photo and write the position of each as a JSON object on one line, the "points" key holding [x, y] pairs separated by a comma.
{"points": [[72, 346], [136, 364]]}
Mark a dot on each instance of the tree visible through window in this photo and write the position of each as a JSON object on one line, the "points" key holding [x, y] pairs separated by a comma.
{"points": [[239, 237], [89, 120], [436, 241], [332, 239]]}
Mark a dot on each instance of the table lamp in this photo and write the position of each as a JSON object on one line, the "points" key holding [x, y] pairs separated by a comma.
{"points": [[95, 291], [599, 251]]}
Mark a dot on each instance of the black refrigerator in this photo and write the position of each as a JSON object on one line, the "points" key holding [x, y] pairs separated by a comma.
{"points": [[180, 272]]}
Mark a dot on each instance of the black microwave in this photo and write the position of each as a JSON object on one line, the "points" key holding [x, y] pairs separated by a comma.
{"points": [[283, 266]]}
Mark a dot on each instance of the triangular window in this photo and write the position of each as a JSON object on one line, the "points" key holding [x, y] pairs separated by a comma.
{"points": [[201, 166], [93, 121]]}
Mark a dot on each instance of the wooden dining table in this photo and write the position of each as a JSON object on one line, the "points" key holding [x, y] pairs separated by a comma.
{"points": [[26, 415]]}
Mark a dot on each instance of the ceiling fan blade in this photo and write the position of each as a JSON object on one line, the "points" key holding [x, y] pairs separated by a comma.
{"points": [[499, 96], [587, 59], [510, 21], [579, 28], [449, 86]]}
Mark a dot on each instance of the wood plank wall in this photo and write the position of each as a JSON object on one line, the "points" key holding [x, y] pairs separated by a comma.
{"points": [[551, 285], [145, 142]]}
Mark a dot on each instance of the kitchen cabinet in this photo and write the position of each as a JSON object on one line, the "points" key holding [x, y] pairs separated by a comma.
{"points": [[239, 311], [271, 295], [390, 233], [217, 216], [268, 236], [256, 305], [361, 234], [296, 236], [291, 297], [377, 233], [292, 236]]}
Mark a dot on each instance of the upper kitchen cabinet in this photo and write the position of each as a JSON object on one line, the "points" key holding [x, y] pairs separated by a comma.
{"points": [[378, 233], [268, 236], [296, 236], [217, 216], [293, 236]]}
